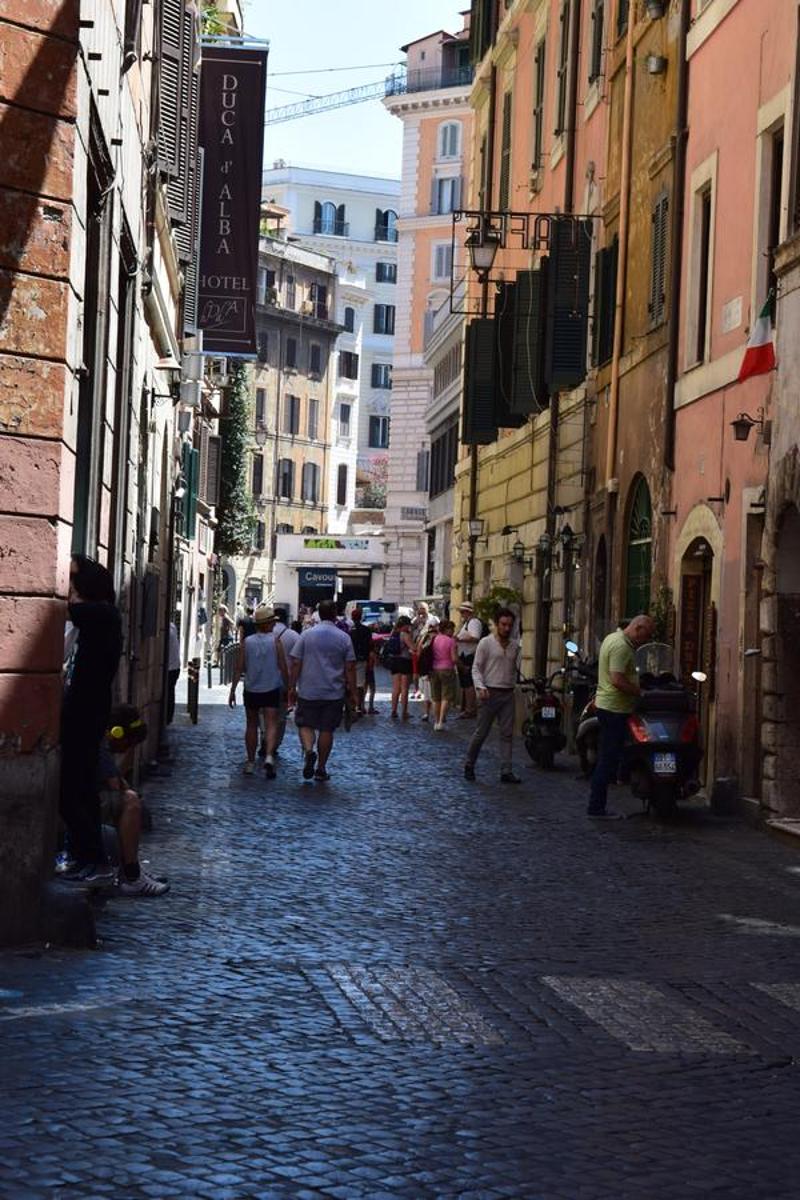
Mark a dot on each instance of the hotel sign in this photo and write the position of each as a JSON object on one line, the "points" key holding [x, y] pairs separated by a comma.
{"points": [[333, 543], [232, 98]]}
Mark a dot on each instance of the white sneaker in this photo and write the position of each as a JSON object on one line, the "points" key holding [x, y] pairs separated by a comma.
{"points": [[145, 885], [425, 717], [248, 768], [438, 727]]}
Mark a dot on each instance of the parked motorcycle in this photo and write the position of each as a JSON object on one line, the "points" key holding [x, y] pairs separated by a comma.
{"points": [[663, 749], [543, 727]]}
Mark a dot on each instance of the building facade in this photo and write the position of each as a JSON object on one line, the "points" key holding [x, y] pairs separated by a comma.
{"points": [[291, 406], [352, 220], [432, 103]]}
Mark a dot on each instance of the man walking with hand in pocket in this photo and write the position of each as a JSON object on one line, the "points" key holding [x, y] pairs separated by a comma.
{"points": [[494, 674]]}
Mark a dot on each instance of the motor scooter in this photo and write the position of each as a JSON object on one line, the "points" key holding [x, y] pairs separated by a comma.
{"points": [[543, 727], [663, 747]]}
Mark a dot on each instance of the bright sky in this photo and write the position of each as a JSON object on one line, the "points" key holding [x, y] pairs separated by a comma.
{"points": [[313, 34]]}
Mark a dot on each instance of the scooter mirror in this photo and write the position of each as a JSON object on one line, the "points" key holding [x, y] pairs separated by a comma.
{"points": [[571, 647], [699, 676]]}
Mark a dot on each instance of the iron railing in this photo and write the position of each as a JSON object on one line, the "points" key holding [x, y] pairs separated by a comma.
{"points": [[430, 79]]}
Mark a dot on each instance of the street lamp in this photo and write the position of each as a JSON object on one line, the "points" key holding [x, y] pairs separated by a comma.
{"points": [[261, 434], [744, 423], [475, 527], [518, 555], [482, 244]]}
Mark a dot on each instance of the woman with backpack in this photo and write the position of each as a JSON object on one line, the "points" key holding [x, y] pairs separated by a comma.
{"points": [[399, 650]]}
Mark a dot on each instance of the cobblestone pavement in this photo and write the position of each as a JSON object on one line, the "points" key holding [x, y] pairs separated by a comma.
{"points": [[399, 984]]}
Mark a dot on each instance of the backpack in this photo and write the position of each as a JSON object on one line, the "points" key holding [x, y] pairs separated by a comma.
{"points": [[392, 648], [425, 657]]}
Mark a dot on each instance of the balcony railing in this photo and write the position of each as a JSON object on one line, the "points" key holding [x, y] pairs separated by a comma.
{"points": [[430, 79], [331, 228], [385, 233]]}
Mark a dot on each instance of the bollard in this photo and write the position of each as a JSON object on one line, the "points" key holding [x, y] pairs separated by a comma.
{"points": [[193, 689]]}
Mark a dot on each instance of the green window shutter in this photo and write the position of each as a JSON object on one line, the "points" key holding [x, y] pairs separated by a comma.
{"points": [[505, 415], [478, 426], [658, 260], [568, 304], [190, 499], [638, 561], [505, 154], [529, 392]]}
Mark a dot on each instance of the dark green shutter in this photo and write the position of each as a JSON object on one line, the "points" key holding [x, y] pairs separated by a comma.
{"points": [[658, 259], [506, 417], [568, 304], [505, 154], [478, 426], [529, 393]]}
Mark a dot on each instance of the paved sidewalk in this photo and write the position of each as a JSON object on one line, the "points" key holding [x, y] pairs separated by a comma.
{"points": [[400, 984]]}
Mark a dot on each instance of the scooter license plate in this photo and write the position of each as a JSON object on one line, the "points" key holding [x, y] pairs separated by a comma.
{"points": [[665, 764], [548, 713]]}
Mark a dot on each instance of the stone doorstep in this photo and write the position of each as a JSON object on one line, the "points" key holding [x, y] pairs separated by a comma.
{"points": [[784, 825]]}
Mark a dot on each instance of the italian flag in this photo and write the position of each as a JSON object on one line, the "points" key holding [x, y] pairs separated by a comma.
{"points": [[759, 357]]}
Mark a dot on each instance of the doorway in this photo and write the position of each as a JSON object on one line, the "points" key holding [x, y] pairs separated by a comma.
{"points": [[698, 632], [788, 656]]}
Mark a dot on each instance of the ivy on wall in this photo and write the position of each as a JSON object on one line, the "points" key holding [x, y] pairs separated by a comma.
{"points": [[235, 510]]}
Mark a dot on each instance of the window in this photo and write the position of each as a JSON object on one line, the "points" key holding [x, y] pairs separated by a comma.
{"points": [[381, 375], [442, 260], [639, 551], [319, 301], [330, 220], [446, 194], [133, 33], [769, 213], [258, 474], [658, 260], [348, 365], [263, 346], [261, 287], [423, 469], [605, 300], [622, 16], [385, 225], [385, 272], [261, 535], [309, 488], [703, 275], [596, 51], [282, 527], [350, 319], [447, 369], [285, 479], [563, 70], [291, 292], [384, 319], [341, 485], [344, 420], [313, 419], [261, 406], [291, 352], [315, 359], [378, 433], [449, 140], [291, 416], [444, 456], [505, 154], [538, 106]]}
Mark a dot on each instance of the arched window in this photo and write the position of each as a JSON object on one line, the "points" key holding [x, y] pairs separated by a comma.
{"points": [[349, 319], [328, 217], [391, 225], [639, 550], [385, 225], [282, 527], [449, 139]]}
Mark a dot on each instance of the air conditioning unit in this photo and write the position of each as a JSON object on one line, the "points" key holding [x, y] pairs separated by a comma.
{"points": [[191, 393], [218, 371], [192, 366]]}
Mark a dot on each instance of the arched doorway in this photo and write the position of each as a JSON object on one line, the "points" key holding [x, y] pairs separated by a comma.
{"points": [[639, 550], [698, 625], [787, 654]]}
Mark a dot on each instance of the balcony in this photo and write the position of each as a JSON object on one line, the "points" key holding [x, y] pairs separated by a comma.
{"points": [[430, 79], [385, 233], [331, 228]]}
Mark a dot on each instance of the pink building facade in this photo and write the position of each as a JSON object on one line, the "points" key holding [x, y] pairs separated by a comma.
{"points": [[741, 68]]}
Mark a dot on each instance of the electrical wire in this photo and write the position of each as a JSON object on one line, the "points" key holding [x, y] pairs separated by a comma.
{"points": [[327, 70]]}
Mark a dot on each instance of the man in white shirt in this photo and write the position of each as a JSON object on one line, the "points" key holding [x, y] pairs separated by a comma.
{"points": [[467, 638], [494, 672], [263, 663]]}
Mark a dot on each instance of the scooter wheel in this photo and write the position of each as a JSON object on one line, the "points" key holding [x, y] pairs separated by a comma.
{"points": [[531, 747], [546, 759], [587, 753], [664, 802]]}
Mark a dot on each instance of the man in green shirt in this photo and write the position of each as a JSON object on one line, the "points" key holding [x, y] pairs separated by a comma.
{"points": [[617, 693]]}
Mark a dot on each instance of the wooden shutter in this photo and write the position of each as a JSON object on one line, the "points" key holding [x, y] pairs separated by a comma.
{"points": [[538, 108], [213, 468], [458, 192], [434, 195], [596, 58], [191, 272], [478, 426], [505, 328], [341, 214], [180, 190], [505, 153], [203, 483], [658, 259], [169, 85], [528, 391], [563, 70], [568, 304]]}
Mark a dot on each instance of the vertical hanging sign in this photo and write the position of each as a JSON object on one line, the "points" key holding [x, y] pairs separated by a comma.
{"points": [[232, 99]]}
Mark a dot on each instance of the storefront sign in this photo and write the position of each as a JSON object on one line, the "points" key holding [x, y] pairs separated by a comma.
{"points": [[332, 543], [233, 90], [312, 577]]}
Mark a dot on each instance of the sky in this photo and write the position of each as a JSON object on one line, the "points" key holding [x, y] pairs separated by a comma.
{"points": [[307, 35]]}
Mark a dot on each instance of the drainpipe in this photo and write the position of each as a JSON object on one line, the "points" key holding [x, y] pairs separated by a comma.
{"points": [[487, 206], [622, 276], [676, 233]]}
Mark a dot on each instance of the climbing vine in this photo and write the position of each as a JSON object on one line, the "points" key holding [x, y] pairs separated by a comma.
{"points": [[236, 514]]}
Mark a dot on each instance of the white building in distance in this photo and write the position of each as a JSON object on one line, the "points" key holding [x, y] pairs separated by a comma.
{"points": [[352, 219]]}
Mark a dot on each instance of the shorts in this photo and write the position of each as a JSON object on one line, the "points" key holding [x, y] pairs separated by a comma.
{"points": [[262, 699], [323, 715], [400, 666], [465, 671], [361, 674], [443, 686]]}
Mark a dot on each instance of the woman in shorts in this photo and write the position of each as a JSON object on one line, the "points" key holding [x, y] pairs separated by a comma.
{"points": [[443, 675], [401, 649]]}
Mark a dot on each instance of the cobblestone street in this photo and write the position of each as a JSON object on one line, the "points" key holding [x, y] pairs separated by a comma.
{"points": [[400, 984]]}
